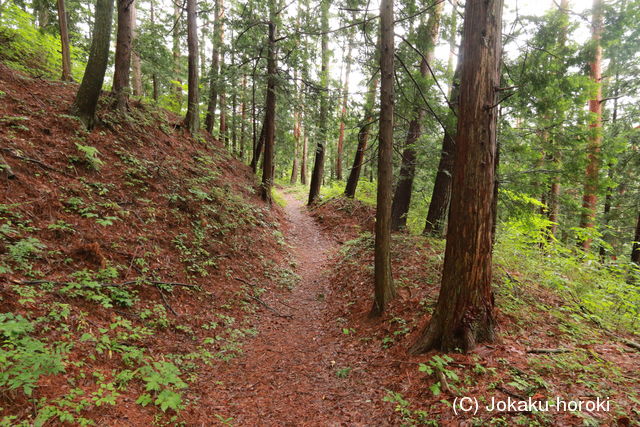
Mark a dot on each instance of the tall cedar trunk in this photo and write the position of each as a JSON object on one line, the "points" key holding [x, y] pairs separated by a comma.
{"points": [[441, 194], [384, 289], [222, 104], [343, 111], [635, 252], [136, 66], [303, 161], [363, 134], [404, 188], [154, 77], [257, 152], [243, 117], [123, 54], [318, 165], [270, 109], [296, 132], [590, 198], [234, 103], [64, 42], [177, 16], [608, 199], [84, 105], [464, 316], [192, 119], [210, 120], [554, 191]]}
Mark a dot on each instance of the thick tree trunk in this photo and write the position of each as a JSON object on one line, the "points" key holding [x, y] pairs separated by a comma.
{"points": [[154, 77], [635, 252], [590, 198], [64, 42], [318, 165], [441, 194], [243, 117], [464, 315], [303, 160], [215, 63], [270, 106], [136, 66], [404, 188], [192, 119], [363, 135], [296, 144], [122, 65], [177, 89], [384, 289], [257, 152], [343, 111], [86, 99]]}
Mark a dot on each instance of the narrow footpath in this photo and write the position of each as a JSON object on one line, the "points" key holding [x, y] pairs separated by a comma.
{"points": [[290, 373]]}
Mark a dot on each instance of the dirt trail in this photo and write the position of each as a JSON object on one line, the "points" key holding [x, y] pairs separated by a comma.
{"points": [[288, 374]]}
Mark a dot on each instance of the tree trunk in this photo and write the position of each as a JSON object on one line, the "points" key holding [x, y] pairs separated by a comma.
{"points": [[404, 188], [258, 149], [635, 252], [243, 117], [343, 111], [154, 77], [363, 134], [86, 99], [64, 41], [464, 315], [177, 15], [123, 55], [136, 66], [303, 161], [192, 119], [270, 105], [318, 165], [213, 74], [441, 194], [590, 198], [384, 289]]}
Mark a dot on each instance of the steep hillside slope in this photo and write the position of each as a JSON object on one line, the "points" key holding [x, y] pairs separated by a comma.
{"points": [[121, 251]]}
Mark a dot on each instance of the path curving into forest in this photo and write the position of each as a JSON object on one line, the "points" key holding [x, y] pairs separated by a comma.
{"points": [[288, 373]]}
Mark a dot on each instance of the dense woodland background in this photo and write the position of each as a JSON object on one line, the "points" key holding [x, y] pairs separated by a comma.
{"points": [[488, 153]]}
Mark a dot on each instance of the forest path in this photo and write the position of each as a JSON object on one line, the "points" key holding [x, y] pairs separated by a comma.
{"points": [[289, 373]]}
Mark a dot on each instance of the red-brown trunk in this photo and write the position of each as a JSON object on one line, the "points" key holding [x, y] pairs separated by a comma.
{"points": [[464, 316]]}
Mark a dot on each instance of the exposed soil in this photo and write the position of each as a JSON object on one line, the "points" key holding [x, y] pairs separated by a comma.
{"points": [[291, 373]]}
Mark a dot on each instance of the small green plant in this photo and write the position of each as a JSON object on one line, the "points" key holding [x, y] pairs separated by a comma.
{"points": [[90, 156], [23, 359], [403, 407], [162, 379], [438, 364]]}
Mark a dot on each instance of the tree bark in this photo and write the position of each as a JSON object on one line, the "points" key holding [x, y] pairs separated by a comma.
{"points": [[123, 55], [213, 74], [343, 111], [464, 313], [257, 152], [590, 198], [192, 119], [318, 165], [64, 42], [243, 117], [303, 160], [136, 66], [363, 134], [86, 99], [404, 188], [270, 105], [635, 252], [441, 194], [384, 289], [177, 15]]}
